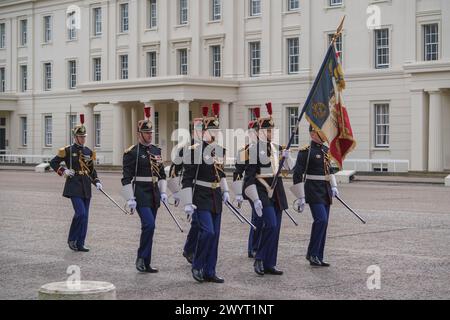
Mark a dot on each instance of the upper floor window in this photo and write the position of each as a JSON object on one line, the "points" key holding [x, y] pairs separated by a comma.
{"points": [[183, 11], [72, 30], [216, 10], [2, 35], [23, 78], [47, 29], [23, 32], [2, 79], [124, 17], [216, 61], [335, 3], [382, 48], [97, 21], [97, 67], [124, 66], [431, 42], [182, 62], [255, 7], [72, 74], [293, 55], [151, 64], [255, 58], [293, 5], [153, 14], [47, 76]]}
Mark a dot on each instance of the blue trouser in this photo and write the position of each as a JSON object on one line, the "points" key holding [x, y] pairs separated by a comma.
{"points": [[320, 213], [191, 240], [79, 226], [254, 235], [148, 217], [205, 257], [270, 236]]}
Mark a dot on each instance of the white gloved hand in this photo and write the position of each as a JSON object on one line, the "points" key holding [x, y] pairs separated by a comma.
{"points": [[132, 204], [99, 186], [286, 154], [300, 204], [164, 197], [239, 199], [189, 209], [258, 208], [226, 196], [335, 192], [69, 173]]}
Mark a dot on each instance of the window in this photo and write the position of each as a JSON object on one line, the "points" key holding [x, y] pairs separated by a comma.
{"points": [[2, 35], [151, 64], [251, 115], [255, 58], [216, 61], [216, 8], [336, 3], [381, 125], [97, 21], [23, 131], [23, 78], [339, 45], [183, 11], [182, 62], [124, 66], [124, 17], [98, 129], [72, 74], [382, 48], [156, 128], [72, 121], [47, 76], [48, 131], [431, 42], [2, 79], [255, 8], [293, 5], [292, 122], [47, 29], [23, 32], [153, 14], [293, 55], [97, 67], [72, 30]]}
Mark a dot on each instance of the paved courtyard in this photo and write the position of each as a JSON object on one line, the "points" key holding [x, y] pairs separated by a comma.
{"points": [[407, 237]]}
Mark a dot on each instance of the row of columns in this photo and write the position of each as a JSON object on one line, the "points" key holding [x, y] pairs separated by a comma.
{"points": [[125, 123]]}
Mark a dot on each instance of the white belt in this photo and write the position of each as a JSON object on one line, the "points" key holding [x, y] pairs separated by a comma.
{"points": [[211, 185], [264, 176], [145, 179], [317, 178]]}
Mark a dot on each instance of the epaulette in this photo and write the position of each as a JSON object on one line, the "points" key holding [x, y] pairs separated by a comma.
{"points": [[305, 148], [62, 152], [130, 148], [194, 146]]}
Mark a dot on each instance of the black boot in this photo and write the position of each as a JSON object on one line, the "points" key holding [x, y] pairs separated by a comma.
{"points": [[214, 279], [73, 245], [140, 265], [315, 261], [198, 275], [273, 271], [259, 267], [149, 269], [83, 248], [188, 257], [324, 264]]}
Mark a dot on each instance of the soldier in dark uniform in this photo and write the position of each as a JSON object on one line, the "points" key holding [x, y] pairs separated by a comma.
{"points": [[238, 182], [204, 189], [144, 186], [315, 184], [264, 158], [78, 169]]}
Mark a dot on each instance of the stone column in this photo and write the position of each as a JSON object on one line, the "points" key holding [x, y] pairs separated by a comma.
{"points": [[419, 131], [224, 116], [183, 114], [89, 124], [118, 138], [134, 121], [127, 127], [435, 147]]}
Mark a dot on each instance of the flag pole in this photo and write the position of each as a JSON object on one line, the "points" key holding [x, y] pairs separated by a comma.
{"points": [[308, 100]]}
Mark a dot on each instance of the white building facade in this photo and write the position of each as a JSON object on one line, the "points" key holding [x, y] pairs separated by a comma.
{"points": [[107, 59]]}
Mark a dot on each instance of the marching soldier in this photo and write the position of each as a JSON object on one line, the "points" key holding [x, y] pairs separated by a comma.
{"points": [[144, 186], [80, 174], [268, 204], [204, 189], [238, 181], [315, 184]]}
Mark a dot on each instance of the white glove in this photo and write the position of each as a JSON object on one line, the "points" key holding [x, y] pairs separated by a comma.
{"points": [[239, 199], [226, 196], [335, 192], [189, 209], [69, 173], [286, 154], [164, 197], [132, 204], [300, 204], [258, 208], [99, 186]]}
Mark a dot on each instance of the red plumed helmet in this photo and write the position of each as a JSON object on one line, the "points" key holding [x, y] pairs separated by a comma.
{"points": [[82, 118], [216, 109], [269, 108], [147, 112], [257, 112], [205, 110]]}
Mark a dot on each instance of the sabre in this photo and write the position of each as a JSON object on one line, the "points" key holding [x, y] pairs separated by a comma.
{"points": [[350, 209], [173, 217], [291, 217], [113, 201], [232, 209], [240, 215]]}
